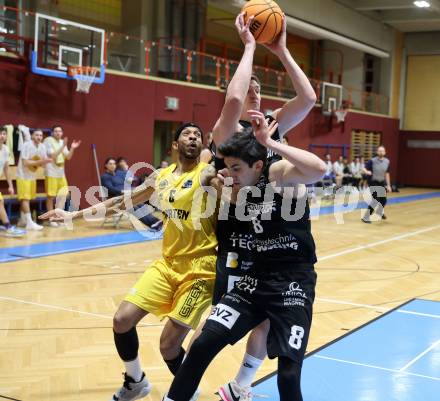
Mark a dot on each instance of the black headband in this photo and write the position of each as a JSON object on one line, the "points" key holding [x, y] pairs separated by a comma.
{"points": [[183, 126]]}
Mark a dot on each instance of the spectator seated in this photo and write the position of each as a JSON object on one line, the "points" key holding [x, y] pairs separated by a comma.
{"points": [[116, 182]]}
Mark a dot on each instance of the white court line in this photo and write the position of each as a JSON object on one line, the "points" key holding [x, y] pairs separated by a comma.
{"points": [[419, 356], [375, 367], [374, 244], [408, 312], [362, 247], [380, 308], [22, 301], [417, 241], [335, 301]]}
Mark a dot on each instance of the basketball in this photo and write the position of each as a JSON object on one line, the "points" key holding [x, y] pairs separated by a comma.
{"points": [[268, 20]]}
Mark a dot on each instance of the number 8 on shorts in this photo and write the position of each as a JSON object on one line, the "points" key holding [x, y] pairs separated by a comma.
{"points": [[296, 335]]}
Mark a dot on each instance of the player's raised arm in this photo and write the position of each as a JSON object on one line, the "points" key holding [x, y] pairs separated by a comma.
{"points": [[237, 90], [295, 110], [298, 166]]}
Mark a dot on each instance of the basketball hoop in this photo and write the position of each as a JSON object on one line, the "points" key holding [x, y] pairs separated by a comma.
{"points": [[84, 77], [340, 115]]}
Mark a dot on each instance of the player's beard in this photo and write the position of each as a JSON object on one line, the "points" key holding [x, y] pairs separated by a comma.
{"points": [[192, 153]]}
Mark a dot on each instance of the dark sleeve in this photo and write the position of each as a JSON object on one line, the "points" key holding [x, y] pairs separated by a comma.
{"points": [[106, 182], [219, 163], [369, 165]]}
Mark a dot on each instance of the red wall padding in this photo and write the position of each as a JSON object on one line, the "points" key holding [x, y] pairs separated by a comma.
{"points": [[419, 167], [119, 117]]}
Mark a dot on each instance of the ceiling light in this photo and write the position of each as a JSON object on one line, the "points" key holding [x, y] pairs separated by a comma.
{"points": [[422, 4]]}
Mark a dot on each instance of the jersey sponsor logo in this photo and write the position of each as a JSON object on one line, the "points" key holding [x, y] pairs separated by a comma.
{"points": [[256, 209], [271, 153], [247, 284], [191, 299], [242, 241], [177, 214], [294, 289], [232, 260], [234, 297], [225, 315], [231, 281], [187, 184], [246, 265], [295, 295], [163, 184], [281, 242]]}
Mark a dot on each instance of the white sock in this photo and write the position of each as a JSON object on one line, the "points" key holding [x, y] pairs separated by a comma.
{"points": [[134, 369], [28, 218], [248, 370]]}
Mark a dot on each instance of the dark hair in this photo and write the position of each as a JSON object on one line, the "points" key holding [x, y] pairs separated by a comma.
{"points": [[37, 130], [108, 159], [56, 126], [244, 146], [256, 79], [183, 126], [3, 128], [119, 159]]}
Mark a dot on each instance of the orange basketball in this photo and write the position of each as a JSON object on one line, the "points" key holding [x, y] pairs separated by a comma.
{"points": [[268, 19]]}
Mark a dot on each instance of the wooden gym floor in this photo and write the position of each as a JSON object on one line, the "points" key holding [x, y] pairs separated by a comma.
{"points": [[56, 342]]}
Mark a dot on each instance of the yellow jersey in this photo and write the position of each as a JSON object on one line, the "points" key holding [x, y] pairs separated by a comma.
{"points": [[190, 214]]}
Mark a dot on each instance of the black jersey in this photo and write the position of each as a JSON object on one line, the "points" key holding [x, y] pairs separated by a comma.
{"points": [[233, 233], [236, 240], [280, 225], [234, 237]]}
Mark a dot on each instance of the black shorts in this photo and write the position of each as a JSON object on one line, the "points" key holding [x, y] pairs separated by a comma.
{"points": [[285, 297], [226, 276]]}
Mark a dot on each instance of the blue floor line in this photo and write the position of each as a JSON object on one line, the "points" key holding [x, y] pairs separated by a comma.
{"points": [[315, 211], [101, 241], [76, 245], [365, 363]]}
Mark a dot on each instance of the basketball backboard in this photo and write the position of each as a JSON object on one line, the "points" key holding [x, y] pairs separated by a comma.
{"points": [[331, 97], [60, 44]]}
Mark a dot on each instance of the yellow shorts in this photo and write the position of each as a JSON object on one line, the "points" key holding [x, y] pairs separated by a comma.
{"points": [[1, 196], [26, 189], [56, 186], [178, 288]]}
